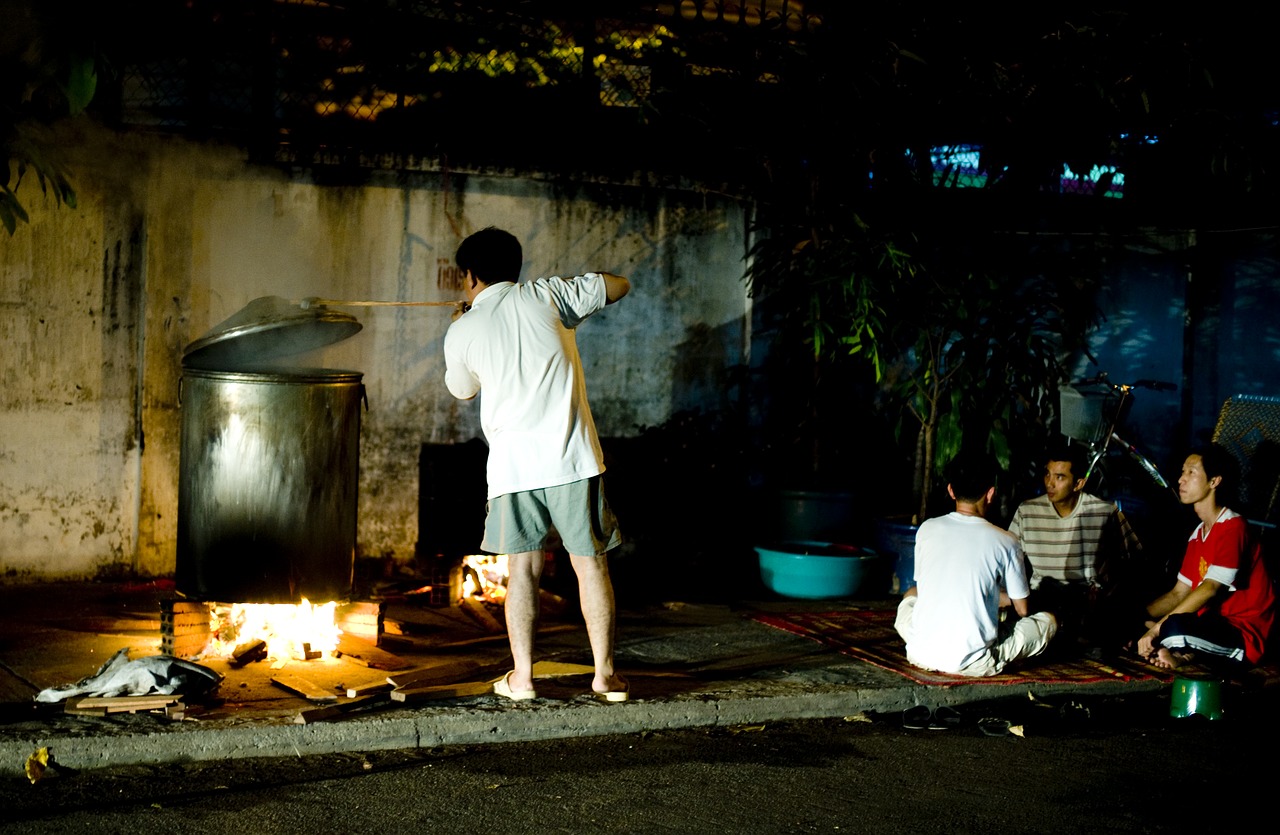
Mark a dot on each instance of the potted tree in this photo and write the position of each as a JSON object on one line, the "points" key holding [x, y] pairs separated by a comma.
{"points": [[955, 352]]}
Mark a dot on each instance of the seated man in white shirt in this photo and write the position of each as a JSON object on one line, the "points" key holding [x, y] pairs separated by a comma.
{"points": [[966, 569]]}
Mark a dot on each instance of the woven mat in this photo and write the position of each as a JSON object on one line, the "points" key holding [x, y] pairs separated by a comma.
{"points": [[869, 635]]}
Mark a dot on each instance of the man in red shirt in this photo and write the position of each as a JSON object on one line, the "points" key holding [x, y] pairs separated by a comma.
{"points": [[1222, 605]]}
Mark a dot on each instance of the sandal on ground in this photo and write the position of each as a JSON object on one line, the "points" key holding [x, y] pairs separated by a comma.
{"points": [[945, 718], [991, 726], [916, 718], [503, 688], [620, 695]]}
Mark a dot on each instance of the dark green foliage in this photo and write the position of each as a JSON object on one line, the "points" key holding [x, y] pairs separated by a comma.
{"points": [[47, 72]]}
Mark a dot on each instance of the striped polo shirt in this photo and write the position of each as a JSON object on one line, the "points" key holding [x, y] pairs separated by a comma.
{"points": [[1075, 548]]}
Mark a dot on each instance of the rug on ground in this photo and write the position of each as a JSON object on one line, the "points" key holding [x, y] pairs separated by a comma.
{"points": [[869, 636]]}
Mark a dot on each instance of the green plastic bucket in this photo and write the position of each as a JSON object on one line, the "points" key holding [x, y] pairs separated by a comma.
{"points": [[1196, 695]]}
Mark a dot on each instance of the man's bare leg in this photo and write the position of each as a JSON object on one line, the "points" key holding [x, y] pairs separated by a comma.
{"points": [[595, 590], [524, 574]]}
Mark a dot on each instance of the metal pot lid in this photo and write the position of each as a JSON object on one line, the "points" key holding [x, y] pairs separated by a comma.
{"points": [[266, 329]]}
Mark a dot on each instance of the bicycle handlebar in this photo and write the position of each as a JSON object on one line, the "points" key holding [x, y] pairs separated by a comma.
{"points": [[1154, 385]]}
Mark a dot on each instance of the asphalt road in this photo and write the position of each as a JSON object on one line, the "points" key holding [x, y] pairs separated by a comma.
{"points": [[1101, 765]]}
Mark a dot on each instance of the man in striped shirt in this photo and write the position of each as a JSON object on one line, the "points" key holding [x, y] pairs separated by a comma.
{"points": [[1081, 550]]}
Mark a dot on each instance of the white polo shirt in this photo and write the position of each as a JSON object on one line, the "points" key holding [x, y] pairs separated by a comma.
{"points": [[961, 564], [516, 347]]}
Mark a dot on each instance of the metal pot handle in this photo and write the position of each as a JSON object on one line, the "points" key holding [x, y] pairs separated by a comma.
{"points": [[180, 379], [364, 396]]}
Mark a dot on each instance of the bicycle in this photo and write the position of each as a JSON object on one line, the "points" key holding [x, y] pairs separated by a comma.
{"points": [[1091, 418]]}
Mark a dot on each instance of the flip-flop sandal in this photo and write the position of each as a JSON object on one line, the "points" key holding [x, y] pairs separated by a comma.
{"points": [[503, 688], [615, 695], [945, 718], [1074, 712], [991, 726], [916, 718]]}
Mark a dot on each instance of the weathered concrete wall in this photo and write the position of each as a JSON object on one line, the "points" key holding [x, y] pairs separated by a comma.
{"points": [[69, 437], [98, 303]]}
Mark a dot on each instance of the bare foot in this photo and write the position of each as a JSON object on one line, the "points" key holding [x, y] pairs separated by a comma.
{"points": [[518, 683], [610, 684], [1170, 660]]}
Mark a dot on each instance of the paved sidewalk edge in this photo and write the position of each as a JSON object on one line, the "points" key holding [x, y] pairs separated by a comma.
{"points": [[472, 724]]}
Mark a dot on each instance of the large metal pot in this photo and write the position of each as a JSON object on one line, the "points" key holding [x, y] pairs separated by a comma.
{"points": [[269, 467]]}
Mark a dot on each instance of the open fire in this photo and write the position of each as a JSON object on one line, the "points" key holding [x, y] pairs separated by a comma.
{"points": [[303, 631], [241, 632], [484, 577]]}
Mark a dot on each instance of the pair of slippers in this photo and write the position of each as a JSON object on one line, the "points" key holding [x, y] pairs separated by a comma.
{"points": [[920, 718], [503, 688]]}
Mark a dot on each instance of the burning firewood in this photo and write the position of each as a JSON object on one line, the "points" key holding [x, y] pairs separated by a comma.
{"points": [[290, 630], [249, 651]]}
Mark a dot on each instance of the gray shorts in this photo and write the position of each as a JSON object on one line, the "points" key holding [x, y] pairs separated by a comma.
{"points": [[578, 512]]}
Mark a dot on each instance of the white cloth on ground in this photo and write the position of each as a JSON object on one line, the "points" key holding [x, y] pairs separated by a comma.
{"points": [[160, 674]]}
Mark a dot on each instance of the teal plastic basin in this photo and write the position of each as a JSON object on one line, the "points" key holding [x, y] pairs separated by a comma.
{"points": [[814, 570]]}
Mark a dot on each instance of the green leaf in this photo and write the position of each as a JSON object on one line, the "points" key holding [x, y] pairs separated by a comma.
{"points": [[82, 83], [11, 210]]}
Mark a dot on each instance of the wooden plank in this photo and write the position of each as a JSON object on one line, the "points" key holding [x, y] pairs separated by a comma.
{"points": [[480, 613], [555, 669], [493, 639], [370, 688], [113, 703], [459, 669], [91, 706], [319, 714], [307, 689], [366, 654], [14, 688], [447, 691]]}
